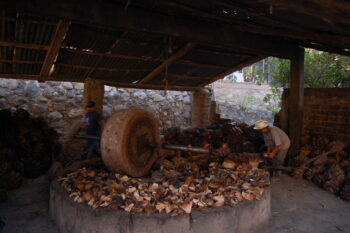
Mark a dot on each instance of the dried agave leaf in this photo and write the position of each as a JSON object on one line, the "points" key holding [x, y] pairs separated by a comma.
{"points": [[228, 164], [105, 198], [187, 207], [160, 207], [129, 207], [188, 180]]}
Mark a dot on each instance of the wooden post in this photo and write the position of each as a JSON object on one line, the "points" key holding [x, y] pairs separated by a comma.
{"points": [[296, 101], [94, 91], [201, 103]]}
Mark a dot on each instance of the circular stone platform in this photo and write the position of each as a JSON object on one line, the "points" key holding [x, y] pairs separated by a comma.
{"points": [[71, 217]]}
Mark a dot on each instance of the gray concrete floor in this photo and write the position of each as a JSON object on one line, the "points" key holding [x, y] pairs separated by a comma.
{"points": [[298, 206]]}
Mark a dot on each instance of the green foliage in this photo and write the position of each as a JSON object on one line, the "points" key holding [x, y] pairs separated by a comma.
{"points": [[321, 70], [250, 99]]}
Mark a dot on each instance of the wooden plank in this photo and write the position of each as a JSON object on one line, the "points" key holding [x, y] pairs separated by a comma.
{"points": [[168, 61], [37, 77], [20, 61], [23, 45], [113, 15], [60, 33], [109, 83], [93, 53], [20, 76], [233, 69], [296, 102], [103, 68], [150, 86]]}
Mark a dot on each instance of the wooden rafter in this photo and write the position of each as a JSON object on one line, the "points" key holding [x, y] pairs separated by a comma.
{"points": [[20, 61], [110, 83], [233, 69], [20, 76], [23, 45], [61, 30], [167, 62], [93, 53], [103, 68], [150, 86]]}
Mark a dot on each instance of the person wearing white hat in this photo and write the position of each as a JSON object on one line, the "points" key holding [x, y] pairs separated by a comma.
{"points": [[277, 143]]}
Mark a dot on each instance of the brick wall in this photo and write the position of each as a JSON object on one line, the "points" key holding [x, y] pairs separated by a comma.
{"points": [[326, 112]]}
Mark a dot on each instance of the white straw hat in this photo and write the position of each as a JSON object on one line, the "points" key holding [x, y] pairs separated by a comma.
{"points": [[261, 124]]}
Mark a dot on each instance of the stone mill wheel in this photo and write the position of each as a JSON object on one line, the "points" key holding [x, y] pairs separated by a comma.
{"points": [[126, 142]]}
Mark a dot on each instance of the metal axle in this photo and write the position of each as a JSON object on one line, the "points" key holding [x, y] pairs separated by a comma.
{"points": [[153, 145]]}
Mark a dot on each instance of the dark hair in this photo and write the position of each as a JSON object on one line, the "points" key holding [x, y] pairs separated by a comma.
{"points": [[90, 104]]}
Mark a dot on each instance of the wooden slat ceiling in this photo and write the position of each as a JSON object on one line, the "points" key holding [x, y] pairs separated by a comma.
{"points": [[161, 44]]}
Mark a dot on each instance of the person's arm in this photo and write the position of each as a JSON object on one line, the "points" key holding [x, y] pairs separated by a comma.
{"points": [[278, 144], [269, 149], [275, 150]]}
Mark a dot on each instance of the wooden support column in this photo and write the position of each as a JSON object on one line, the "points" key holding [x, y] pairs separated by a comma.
{"points": [[296, 101], [201, 105], [94, 91]]}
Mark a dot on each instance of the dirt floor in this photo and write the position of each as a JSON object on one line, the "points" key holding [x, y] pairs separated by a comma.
{"points": [[298, 206]]}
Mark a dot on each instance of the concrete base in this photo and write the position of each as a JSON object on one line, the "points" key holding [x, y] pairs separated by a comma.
{"points": [[71, 217]]}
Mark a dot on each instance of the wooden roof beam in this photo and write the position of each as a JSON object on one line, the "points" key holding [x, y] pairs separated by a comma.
{"points": [[150, 86], [239, 66], [167, 62], [93, 53], [56, 43], [23, 45], [20, 61], [114, 15], [102, 68]]}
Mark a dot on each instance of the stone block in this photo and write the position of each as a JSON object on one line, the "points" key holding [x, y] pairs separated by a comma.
{"points": [[55, 116], [32, 90]]}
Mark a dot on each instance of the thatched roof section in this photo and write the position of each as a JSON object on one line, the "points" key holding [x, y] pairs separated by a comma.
{"points": [[159, 44]]}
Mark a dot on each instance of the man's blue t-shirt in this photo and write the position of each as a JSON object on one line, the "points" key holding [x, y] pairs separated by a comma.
{"points": [[92, 126]]}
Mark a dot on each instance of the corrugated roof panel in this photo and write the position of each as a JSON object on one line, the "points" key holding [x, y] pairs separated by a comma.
{"points": [[6, 53], [135, 49], [29, 54], [187, 70], [122, 76], [5, 68], [7, 30], [27, 68], [152, 38], [112, 62], [95, 39], [134, 76], [108, 75], [212, 57], [67, 57], [67, 72]]}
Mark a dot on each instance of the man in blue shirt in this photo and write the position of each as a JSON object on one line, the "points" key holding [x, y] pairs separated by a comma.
{"points": [[93, 122]]}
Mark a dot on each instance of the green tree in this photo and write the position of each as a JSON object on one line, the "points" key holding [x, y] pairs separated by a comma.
{"points": [[321, 70]]}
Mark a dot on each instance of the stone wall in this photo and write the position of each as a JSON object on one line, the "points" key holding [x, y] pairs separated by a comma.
{"points": [[61, 102], [326, 112]]}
